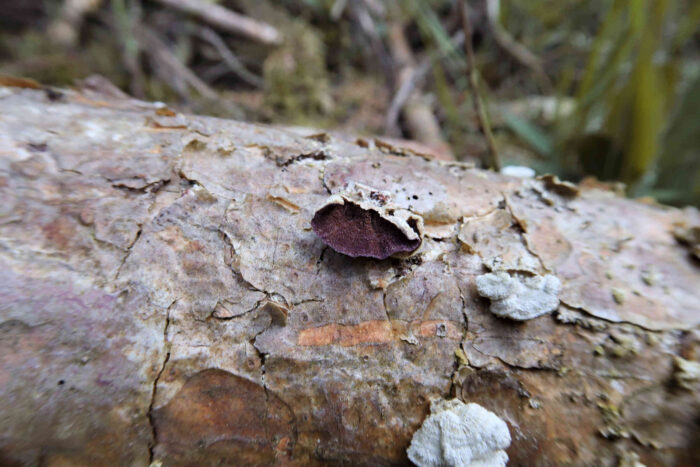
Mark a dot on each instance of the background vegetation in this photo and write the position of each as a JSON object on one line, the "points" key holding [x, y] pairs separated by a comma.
{"points": [[603, 88]]}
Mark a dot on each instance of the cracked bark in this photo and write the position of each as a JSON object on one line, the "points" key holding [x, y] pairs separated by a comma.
{"points": [[126, 254], [166, 357], [317, 358]]}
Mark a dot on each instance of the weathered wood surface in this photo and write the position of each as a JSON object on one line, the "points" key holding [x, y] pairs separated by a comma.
{"points": [[164, 299]]}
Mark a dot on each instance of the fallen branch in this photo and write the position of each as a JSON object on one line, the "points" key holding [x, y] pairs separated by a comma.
{"points": [[170, 68], [162, 295], [419, 117], [223, 18], [416, 77], [229, 58]]}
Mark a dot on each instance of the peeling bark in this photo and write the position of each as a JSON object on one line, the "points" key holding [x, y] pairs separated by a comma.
{"points": [[163, 298]]}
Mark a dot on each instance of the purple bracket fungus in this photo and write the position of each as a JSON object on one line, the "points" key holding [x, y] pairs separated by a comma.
{"points": [[518, 296], [362, 221], [459, 434]]}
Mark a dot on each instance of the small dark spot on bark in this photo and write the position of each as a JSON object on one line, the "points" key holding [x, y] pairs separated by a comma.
{"points": [[379, 197], [61, 382], [414, 260], [37, 147], [441, 330], [321, 137], [53, 95], [517, 228]]}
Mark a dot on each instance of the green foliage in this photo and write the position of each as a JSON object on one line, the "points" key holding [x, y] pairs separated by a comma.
{"points": [[531, 134], [622, 76], [678, 171], [296, 80], [34, 55], [636, 115], [627, 93]]}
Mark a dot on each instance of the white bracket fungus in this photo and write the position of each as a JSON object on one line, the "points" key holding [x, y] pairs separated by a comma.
{"points": [[518, 296], [460, 435]]}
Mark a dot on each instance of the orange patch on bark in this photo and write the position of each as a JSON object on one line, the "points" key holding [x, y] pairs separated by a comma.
{"points": [[376, 332], [368, 332]]}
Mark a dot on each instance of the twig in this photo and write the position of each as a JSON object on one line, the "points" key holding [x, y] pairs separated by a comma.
{"points": [[232, 62], [223, 18], [521, 53], [214, 72], [416, 77], [418, 115], [495, 161], [401, 96], [170, 68]]}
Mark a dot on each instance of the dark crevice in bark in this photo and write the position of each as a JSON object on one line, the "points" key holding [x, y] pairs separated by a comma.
{"points": [[319, 262], [315, 155], [229, 318], [613, 323], [307, 300], [263, 357], [153, 187], [458, 359], [238, 275], [523, 234], [388, 316], [129, 249], [154, 390], [323, 180]]}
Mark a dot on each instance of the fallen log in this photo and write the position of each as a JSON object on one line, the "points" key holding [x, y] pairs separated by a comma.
{"points": [[164, 300]]}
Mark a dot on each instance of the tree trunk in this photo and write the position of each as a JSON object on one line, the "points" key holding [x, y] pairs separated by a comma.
{"points": [[164, 299]]}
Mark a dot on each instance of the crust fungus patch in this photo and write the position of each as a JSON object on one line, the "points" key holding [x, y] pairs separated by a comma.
{"points": [[690, 237], [686, 372], [460, 434], [559, 187], [519, 297], [363, 222]]}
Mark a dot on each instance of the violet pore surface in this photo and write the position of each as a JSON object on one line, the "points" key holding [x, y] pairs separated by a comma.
{"points": [[358, 232]]}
